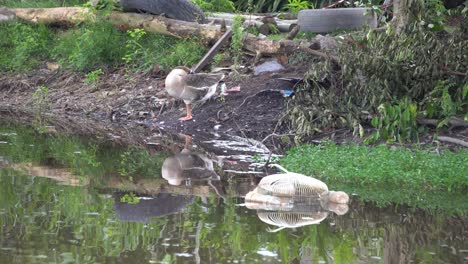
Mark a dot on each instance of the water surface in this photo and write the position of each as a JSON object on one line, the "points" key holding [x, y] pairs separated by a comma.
{"points": [[74, 200]]}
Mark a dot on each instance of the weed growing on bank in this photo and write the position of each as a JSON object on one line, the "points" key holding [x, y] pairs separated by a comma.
{"points": [[40, 3], [23, 46], [417, 178], [400, 168], [91, 46]]}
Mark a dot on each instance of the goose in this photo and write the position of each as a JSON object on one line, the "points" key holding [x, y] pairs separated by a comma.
{"points": [[181, 83]]}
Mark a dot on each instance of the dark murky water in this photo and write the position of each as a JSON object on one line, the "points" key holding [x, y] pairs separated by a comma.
{"points": [[68, 200]]}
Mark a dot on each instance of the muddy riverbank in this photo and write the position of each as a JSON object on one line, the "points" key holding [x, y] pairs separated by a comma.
{"points": [[137, 105], [139, 100]]}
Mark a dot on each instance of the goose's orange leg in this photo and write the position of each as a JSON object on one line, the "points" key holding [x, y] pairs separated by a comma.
{"points": [[189, 113]]}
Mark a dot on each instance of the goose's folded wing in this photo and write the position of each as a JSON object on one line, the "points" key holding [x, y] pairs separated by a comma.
{"points": [[198, 173], [202, 80]]}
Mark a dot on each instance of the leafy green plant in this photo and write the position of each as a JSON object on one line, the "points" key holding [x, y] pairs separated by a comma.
{"points": [[102, 6], [90, 46], [23, 46], [133, 48], [236, 40], [297, 5], [435, 15], [379, 68], [260, 5], [40, 3], [41, 102], [129, 199], [93, 76], [183, 52], [395, 122], [445, 101], [215, 5]]}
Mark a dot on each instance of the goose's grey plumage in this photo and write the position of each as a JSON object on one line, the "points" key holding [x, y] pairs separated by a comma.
{"points": [[191, 87], [188, 166]]}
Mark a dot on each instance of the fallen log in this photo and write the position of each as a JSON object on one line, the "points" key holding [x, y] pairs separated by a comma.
{"points": [[282, 25], [268, 47], [454, 122], [453, 140], [150, 23]]}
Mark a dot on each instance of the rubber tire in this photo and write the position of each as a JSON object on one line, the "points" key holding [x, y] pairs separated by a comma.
{"points": [[329, 20], [175, 9]]}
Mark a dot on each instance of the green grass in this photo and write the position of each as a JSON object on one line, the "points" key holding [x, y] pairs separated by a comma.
{"points": [[415, 177], [41, 3], [23, 46], [90, 46]]}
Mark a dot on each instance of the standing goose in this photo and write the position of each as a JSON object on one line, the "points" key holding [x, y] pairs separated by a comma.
{"points": [[191, 87]]}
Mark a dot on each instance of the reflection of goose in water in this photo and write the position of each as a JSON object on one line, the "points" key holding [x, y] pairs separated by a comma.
{"points": [[3, 162], [290, 200], [188, 166], [160, 205]]}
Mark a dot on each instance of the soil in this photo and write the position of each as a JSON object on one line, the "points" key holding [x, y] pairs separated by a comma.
{"points": [[139, 100]]}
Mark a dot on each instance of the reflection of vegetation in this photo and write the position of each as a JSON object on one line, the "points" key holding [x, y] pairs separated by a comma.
{"points": [[80, 225], [83, 157], [414, 177]]}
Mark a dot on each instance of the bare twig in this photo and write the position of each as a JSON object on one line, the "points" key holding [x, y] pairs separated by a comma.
{"points": [[450, 71], [456, 122], [320, 54], [453, 140], [277, 135]]}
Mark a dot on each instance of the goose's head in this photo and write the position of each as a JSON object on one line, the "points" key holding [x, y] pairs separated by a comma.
{"points": [[176, 78]]}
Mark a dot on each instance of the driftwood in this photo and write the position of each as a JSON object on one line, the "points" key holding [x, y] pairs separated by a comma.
{"points": [[453, 140], [267, 47], [259, 21], [454, 122], [155, 24]]}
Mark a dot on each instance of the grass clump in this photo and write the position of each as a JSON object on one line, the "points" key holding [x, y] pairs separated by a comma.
{"points": [[236, 40], [168, 52], [40, 3], [383, 174], [23, 46], [90, 46]]}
